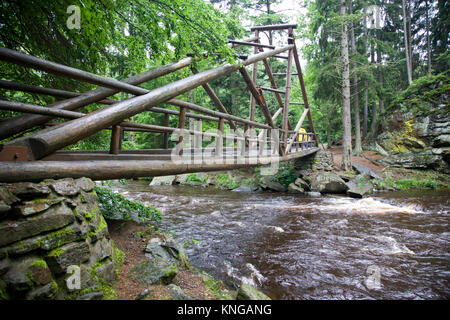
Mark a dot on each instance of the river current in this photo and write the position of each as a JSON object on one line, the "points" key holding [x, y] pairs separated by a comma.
{"points": [[388, 246]]}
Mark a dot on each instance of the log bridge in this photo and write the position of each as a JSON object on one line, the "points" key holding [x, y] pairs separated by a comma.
{"points": [[32, 144]]}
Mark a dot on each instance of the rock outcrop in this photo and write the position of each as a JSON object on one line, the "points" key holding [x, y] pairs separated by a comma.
{"points": [[52, 233]]}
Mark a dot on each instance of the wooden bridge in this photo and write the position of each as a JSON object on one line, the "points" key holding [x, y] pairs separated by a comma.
{"points": [[38, 155]]}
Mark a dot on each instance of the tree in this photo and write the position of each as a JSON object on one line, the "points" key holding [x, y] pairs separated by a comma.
{"points": [[407, 47], [346, 109]]}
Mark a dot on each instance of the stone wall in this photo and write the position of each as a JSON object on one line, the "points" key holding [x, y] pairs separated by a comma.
{"points": [[47, 227]]}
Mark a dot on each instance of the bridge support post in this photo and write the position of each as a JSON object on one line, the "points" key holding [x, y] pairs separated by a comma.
{"points": [[166, 134], [116, 139]]}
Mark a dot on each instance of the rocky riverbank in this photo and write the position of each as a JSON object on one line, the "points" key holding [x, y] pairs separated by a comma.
{"points": [[315, 175]]}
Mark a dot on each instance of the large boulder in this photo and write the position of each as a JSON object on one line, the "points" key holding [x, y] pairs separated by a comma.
{"points": [[328, 182], [366, 171], [162, 181], [267, 184], [359, 190]]}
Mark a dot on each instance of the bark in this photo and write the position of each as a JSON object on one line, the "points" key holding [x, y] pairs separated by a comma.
{"points": [[358, 148], [405, 34], [427, 27], [380, 78], [346, 116]]}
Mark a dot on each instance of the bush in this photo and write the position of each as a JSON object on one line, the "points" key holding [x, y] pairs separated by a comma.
{"points": [[111, 202]]}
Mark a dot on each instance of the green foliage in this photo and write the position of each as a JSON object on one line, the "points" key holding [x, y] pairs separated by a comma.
{"points": [[224, 180], [112, 202], [286, 173], [193, 177]]}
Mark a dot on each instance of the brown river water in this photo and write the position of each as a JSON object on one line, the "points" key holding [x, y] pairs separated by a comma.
{"points": [[389, 246]]}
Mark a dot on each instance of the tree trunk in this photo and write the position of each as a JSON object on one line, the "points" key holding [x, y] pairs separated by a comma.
{"points": [[366, 88], [380, 76], [374, 104], [427, 27], [366, 108], [346, 108], [358, 148], [405, 34]]}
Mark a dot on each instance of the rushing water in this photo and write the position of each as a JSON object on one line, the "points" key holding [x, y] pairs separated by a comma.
{"points": [[389, 246]]}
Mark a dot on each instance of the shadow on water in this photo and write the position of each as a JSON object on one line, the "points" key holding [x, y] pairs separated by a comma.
{"points": [[389, 246]]}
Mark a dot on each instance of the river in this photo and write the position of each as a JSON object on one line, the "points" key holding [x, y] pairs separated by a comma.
{"points": [[389, 246]]}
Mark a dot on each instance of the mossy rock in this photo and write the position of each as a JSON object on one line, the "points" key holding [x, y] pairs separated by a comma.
{"points": [[154, 271], [248, 292]]}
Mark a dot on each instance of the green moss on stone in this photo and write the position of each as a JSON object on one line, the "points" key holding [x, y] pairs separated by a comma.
{"points": [[40, 263], [55, 252]]}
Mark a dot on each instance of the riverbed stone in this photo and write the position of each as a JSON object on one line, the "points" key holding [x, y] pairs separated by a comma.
{"points": [[293, 188], [366, 171], [327, 182], [245, 188], [177, 293], [302, 183], [73, 253], [268, 184], [154, 271], [54, 218], [162, 181], [360, 190], [248, 292]]}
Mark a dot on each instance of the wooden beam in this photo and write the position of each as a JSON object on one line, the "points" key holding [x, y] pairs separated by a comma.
{"points": [[273, 90], [304, 95], [166, 134], [254, 44], [11, 85], [274, 27], [115, 140], [286, 99], [117, 169], [257, 96], [24, 122]]}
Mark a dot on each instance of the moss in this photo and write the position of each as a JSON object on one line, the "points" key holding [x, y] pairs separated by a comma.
{"points": [[215, 286], [119, 256], [40, 263], [90, 216], [171, 272], [101, 226], [55, 252]]}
